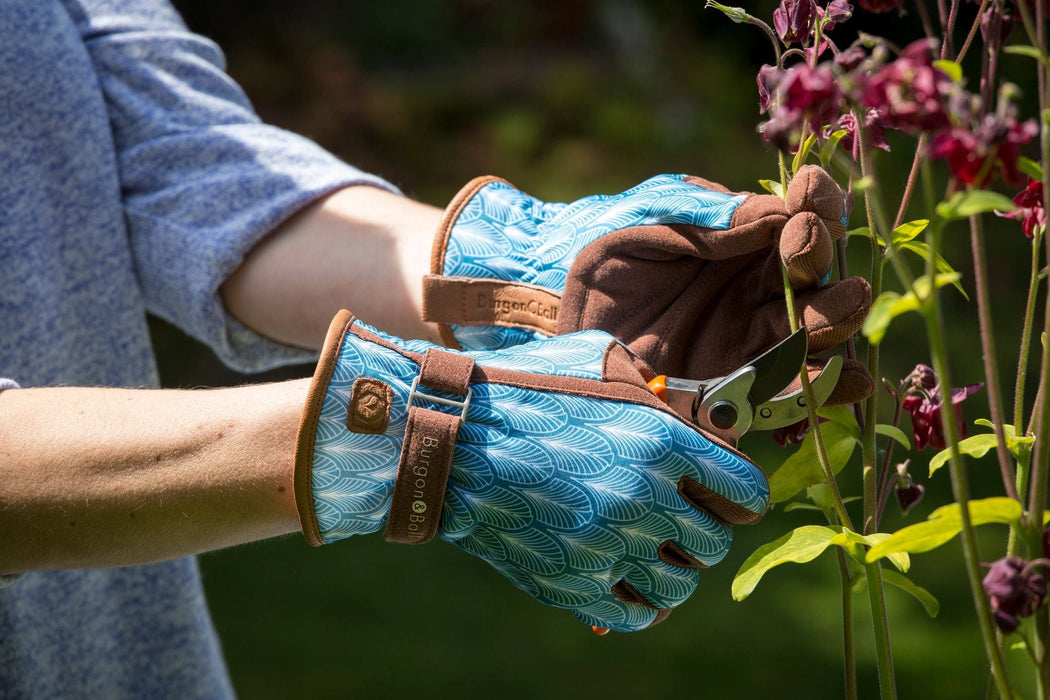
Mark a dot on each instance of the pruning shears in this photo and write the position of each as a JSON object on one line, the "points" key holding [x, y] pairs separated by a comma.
{"points": [[750, 397]]}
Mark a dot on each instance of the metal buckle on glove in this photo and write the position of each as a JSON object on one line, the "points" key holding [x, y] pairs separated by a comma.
{"points": [[463, 406]]}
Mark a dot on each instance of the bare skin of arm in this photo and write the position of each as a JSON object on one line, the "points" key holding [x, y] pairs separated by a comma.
{"points": [[93, 477]]}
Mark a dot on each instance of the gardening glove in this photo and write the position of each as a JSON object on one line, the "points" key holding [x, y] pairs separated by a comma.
{"points": [[683, 271], [551, 460]]}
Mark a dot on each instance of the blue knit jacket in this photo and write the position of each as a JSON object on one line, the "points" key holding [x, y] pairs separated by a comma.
{"points": [[134, 178]]}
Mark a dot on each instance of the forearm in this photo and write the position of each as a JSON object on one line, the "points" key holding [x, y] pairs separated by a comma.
{"points": [[361, 248], [110, 477]]}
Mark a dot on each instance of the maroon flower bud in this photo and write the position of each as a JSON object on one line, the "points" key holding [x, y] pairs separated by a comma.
{"points": [[793, 20], [876, 135], [1015, 589], [922, 377], [838, 11], [791, 434], [908, 493], [997, 24]]}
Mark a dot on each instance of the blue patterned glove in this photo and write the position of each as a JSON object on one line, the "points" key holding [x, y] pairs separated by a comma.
{"points": [[552, 461], [684, 272]]}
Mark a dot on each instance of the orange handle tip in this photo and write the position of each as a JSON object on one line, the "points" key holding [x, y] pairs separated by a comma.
{"points": [[658, 385], [600, 631]]}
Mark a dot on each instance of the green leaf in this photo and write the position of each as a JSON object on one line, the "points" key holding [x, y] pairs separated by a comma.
{"points": [[1019, 447], [894, 432], [965, 204], [1026, 50], [827, 151], [909, 230], [843, 416], [888, 306], [801, 545], [976, 446], [773, 187], [802, 469], [953, 69], [801, 505], [929, 603], [865, 183], [802, 153], [923, 250], [855, 544], [1030, 168], [944, 524]]}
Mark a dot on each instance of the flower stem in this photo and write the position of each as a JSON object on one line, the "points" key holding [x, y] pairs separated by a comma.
{"points": [[991, 365], [1026, 334], [881, 627], [811, 407], [876, 594], [849, 652], [935, 330], [973, 32]]}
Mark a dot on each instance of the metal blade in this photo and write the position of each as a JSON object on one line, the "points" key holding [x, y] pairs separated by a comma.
{"points": [[778, 366], [791, 408]]}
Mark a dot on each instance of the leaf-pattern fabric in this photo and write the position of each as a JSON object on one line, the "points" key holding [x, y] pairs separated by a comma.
{"points": [[503, 233], [564, 495]]}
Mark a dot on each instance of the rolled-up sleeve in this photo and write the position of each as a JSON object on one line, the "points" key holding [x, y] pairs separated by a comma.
{"points": [[203, 179]]}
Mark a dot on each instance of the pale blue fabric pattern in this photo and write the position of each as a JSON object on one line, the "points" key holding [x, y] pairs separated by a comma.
{"points": [[564, 495], [503, 233]]}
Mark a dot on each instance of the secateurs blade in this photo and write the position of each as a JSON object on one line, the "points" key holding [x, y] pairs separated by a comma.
{"points": [[749, 398]]}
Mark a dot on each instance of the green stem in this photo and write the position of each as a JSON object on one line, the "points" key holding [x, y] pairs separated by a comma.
{"points": [[991, 364], [876, 594], [1026, 335], [849, 653], [811, 409], [881, 627], [960, 487]]}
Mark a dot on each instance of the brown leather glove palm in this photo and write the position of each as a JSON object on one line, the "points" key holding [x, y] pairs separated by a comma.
{"points": [[680, 269]]}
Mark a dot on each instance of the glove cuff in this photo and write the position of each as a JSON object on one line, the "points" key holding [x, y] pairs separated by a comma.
{"points": [[343, 399]]}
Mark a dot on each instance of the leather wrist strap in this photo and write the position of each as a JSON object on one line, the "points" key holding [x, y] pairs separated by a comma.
{"points": [[426, 454]]}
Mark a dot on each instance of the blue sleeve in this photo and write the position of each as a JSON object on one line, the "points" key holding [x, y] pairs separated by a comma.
{"points": [[202, 179]]}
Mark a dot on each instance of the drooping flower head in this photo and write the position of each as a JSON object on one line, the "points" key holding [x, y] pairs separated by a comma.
{"points": [[910, 93], [793, 20], [908, 493], [876, 135], [924, 401], [1015, 589], [806, 98], [973, 155], [1030, 211]]}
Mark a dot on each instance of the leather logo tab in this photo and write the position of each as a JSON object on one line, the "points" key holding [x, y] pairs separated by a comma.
{"points": [[369, 410]]}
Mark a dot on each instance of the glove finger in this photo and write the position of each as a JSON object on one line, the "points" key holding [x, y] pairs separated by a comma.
{"points": [[813, 190], [657, 585], [855, 382], [834, 313], [806, 250]]}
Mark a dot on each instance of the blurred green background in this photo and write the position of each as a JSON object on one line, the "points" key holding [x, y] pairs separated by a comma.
{"points": [[564, 99]]}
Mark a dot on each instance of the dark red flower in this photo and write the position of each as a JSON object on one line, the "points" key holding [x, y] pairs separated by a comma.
{"points": [[793, 20], [808, 98], [767, 79], [1030, 211], [848, 59], [910, 93], [876, 135], [1015, 589], [997, 24], [879, 5], [792, 434], [968, 152], [925, 404]]}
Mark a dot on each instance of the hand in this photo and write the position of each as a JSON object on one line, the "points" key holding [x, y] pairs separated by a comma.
{"points": [[683, 271], [567, 474]]}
